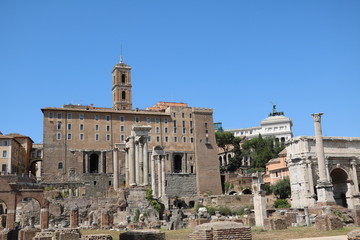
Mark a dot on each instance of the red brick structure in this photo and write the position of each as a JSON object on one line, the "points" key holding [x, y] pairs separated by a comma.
{"points": [[220, 231], [13, 189]]}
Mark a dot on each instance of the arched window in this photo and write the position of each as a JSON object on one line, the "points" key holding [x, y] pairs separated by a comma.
{"points": [[60, 165], [123, 95], [123, 78]]}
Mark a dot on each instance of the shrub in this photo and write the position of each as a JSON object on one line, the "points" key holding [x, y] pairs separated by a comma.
{"points": [[282, 203]]}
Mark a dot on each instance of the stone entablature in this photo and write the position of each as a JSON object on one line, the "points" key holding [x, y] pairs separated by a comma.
{"points": [[342, 159]]}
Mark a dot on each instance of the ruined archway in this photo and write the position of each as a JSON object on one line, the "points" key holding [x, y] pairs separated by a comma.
{"points": [[28, 213], [340, 182], [94, 163]]}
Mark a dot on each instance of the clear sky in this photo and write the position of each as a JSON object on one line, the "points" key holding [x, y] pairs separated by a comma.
{"points": [[236, 56]]}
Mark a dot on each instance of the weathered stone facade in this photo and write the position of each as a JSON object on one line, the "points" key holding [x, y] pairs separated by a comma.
{"points": [[143, 235], [220, 231], [88, 143], [342, 158]]}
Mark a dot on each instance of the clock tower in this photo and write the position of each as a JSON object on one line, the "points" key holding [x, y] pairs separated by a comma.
{"points": [[121, 86]]}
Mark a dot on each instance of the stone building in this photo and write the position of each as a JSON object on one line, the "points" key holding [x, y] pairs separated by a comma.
{"points": [[15, 150], [276, 125], [169, 146], [342, 158], [276, 169]]}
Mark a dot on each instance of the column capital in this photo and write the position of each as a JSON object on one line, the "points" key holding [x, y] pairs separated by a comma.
{"points": [[317, 116], [353, 163]]}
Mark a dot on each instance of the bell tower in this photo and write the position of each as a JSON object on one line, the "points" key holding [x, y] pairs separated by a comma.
{"points": [[121, 86]]}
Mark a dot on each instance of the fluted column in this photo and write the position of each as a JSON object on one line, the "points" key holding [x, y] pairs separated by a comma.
{"points": [[153, 175], [86, 162], [101, 163], [132, 162], [327, 170], [319, 147], [159, 177], [146, 162], [310, 176], [137, 165], [116, 168], [355, 177], [141, 162], [127, 166], [162, 183]]}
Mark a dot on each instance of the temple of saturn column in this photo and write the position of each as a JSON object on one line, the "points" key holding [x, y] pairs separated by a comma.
{"points": [[324, 186]]}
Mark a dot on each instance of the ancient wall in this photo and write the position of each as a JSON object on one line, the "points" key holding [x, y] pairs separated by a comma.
{"points": [[181, 185]]}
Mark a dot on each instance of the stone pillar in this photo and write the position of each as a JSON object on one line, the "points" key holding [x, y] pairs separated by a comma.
{"points": [[259, 199], [132, 162], [141, 162], [163, 180], [74, 218], [44, 218], [10, 219], [127, 166], [159, 177], [105, 220], [116, 169], [327, 169], [137, 164], [146, 163], [153, 175], [355, 177], [86, 162], [311, 179], [324, 187]]}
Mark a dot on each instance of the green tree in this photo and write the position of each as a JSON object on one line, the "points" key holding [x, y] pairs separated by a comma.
{"points": [[224, 139], [282, 188], [261, 150], [235, 162]]}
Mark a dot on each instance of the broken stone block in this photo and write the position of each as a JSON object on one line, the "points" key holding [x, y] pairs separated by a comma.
{"points": [[275, 223], [143, 235], [221, 230], [354, 235], [328, 223], [97, 237]]}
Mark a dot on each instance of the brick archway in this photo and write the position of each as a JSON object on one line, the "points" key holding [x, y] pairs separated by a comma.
{"points": [[13, 189]]}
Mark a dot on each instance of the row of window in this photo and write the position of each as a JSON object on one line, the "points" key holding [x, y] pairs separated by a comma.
{"points": [[122, 138], [5, 143], [182, 115]]}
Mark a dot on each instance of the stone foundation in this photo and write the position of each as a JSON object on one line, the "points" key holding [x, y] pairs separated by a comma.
{"points": [[44, 236], [3, 235], [28, 233], [143, 235], [354, 235], [195, 222], [220, 231], [275, 223], [97, 237], [327, 223], [67, 234]]}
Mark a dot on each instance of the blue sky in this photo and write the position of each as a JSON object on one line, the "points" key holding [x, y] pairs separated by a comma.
{"points": [[237, 57]]}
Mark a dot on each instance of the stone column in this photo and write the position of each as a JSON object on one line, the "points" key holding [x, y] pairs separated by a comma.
{"points": [[116, 168], [86, 162], [10, 219], [137, 164], [159, 177], [74, 218], [127, 166], [153, 175], [327, 169], [259, 199], [132, 162], [355, 177], [310, 176], [324, 187], [141, 162], [101, 162], [146, 163], [44, 218], [163, 180]]}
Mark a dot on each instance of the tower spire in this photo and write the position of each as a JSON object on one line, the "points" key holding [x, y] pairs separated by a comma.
{"points": [[121, 57]]}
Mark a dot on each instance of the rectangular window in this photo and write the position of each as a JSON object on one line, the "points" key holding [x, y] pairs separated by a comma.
{"points": [[166, 130], [96, 117], [5, 143], [81, 127], [108, 118], [148, 120], [183, 115], [59, 115], [81, 137], [191, 131], [191, 125], [122, 128], [165, 120], [175, 139], [107, 137], [58, 136], [184, 130], [183, 123], [192, 140], [3, 168], [206, 125], [58, 126], [96, 137], [175, 130], [81, 116], [174, 123], [69, 116], [69, 126], [174, 114], [108, 128], [184, 139], [149, 138], [157, 139], [51, 115], [122, 138], [4, 153], [69, 136], [157, 120], [137, 119], [190, 115], [96, 127], [122, 118], [157, 130], [166, 139]]}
